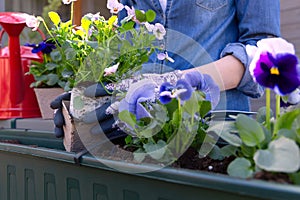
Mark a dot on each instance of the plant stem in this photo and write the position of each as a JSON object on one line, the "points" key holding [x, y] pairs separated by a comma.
{"points": [[277, 106], [268, 108], [179, 123]]}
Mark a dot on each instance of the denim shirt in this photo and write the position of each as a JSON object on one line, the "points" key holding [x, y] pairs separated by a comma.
{"points": [[202, 31]]}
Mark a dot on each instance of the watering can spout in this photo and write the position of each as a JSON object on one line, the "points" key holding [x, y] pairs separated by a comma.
{"points": [[13, 24]]}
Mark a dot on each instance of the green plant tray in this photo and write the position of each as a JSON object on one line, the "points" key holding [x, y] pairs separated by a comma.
{"points": [[39, 168]]}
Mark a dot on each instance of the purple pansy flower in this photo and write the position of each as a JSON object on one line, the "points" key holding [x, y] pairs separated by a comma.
{"points": [[45, 47], [182, 90], [138, 93], [274, 65]]}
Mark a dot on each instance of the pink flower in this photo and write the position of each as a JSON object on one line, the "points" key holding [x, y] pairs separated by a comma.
{"points": [[32, 22], [68, 1], [111, 70], [114, 6]]}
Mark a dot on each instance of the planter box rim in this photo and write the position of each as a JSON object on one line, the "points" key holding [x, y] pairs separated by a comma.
{"points": [[193, 178]]}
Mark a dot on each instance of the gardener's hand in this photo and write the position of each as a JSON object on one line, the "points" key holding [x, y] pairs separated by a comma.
{"points": [[204, 83], [105, 119], [59, 120]]}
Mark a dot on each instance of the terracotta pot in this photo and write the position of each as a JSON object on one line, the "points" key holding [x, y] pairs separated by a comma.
{"points": [[44, 97]]}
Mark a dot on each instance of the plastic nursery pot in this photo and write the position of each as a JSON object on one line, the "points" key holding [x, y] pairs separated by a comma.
{"points": [[39, 168]]}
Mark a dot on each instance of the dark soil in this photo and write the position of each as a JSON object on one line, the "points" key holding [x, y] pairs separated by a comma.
{"points": [[191, 160]]}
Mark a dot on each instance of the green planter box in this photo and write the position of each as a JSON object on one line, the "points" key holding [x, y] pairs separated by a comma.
{"points": [[48, 172]]}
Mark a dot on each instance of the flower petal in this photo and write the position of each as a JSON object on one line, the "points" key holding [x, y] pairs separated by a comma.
{"points": [[165, 97], [276, 46], [186, 88]]}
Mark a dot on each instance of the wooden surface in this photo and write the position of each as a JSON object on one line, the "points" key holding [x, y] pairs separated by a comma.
{"points": [[77, 12], [290, 22]]}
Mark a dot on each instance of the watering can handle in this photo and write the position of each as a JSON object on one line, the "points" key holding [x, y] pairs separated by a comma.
{"points": [[38, 30]]}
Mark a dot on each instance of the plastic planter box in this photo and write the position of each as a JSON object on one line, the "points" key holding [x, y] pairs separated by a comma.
{"points": [[48, 172]]}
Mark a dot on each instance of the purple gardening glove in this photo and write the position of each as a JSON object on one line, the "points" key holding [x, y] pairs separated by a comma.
{"points": [[206, 84]]}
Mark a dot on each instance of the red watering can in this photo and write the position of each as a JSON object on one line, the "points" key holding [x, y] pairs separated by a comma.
{"points": [[17, 99]]}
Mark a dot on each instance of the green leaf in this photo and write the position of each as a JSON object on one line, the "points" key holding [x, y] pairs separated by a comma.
{"points": [[216, 153], [56, 56], [224, 130], [157, 150], [286, 120], [295, 177], [191, 106], [139, 155], [66, 73], [140, 16], [150, 16], [205, 108], [228, 150], [70, 53], [282, 155], [241, 168], [291, 134], [128, 118], [51, 66], [176, 118], [128, 139], [247, 151], [172, 106], [250, 131], [261, 115], [52, 79], [128, 25]]}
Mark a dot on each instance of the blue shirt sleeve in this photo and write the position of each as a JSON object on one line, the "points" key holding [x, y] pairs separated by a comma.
{"points": [[257, 19]]}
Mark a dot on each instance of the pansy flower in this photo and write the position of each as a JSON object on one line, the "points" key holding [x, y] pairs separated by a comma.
{"points": [[149, 27], [32, 22], [130, 14], [114, 6], [45, 46], [159, 31], [182, 90], [274, 65]]}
